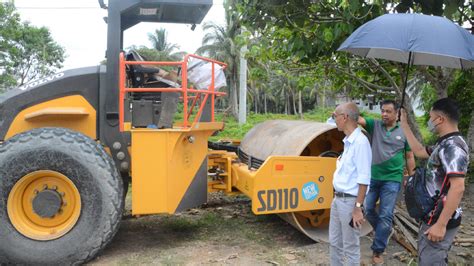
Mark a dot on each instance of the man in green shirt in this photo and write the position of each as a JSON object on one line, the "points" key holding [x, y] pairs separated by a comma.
{"points": [[389, 150]]}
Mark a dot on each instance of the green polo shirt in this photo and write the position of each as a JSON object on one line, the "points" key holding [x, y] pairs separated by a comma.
{"points": [[388, 150]]}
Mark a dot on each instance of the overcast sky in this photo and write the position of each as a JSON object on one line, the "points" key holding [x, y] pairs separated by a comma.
{"points": [[78, 26]]}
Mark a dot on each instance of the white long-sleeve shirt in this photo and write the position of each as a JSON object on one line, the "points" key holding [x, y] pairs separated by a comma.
{"points": [[353, 166]]}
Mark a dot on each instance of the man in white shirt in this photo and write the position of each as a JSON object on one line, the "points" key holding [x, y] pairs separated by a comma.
{"points": [[351, 178]]}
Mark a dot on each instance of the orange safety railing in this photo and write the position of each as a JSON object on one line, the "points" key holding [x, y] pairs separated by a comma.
{"points": [[186, 92]]}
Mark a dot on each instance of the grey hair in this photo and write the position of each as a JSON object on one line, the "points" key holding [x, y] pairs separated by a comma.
{"points": [[351, 110], [353, 115]]}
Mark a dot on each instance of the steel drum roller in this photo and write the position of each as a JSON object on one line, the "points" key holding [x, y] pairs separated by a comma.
{"points": [[298, 138]]}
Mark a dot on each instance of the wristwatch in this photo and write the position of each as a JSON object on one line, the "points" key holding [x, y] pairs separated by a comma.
{"points": [[359, 205]]}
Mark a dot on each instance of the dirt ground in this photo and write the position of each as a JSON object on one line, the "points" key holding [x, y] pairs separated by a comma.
{"points": [[224, 231]]}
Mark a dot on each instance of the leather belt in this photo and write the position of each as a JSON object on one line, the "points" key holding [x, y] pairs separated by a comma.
{"points": [[343, 195]]}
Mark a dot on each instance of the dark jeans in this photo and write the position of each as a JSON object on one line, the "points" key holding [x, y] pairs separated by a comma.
{"points": [[387, 192]]}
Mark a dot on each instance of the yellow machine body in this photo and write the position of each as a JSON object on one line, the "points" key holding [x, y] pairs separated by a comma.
{"points": [[169, 168], [73, 112], [287, 184]]}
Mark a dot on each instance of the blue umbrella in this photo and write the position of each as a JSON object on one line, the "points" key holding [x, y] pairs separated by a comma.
{"points": [[414, 39]]}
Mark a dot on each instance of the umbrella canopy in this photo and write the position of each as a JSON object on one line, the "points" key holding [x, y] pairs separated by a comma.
{"points": [[414, 39]]}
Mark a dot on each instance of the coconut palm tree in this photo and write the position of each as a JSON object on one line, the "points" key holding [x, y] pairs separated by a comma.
{"points": [[165, 50], [219, 43]]}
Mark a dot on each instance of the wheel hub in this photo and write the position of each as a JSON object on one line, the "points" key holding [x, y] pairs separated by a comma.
{"points": [[44, 205], [47, 203]]}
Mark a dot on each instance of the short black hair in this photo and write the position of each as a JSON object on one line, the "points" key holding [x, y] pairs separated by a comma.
{"points": [[449, 107], [392, 102]]}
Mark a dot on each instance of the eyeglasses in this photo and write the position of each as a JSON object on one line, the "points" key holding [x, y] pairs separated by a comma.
{"points": [[334, 115]]}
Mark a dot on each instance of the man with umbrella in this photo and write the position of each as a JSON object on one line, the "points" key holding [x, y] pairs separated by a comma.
{"points": [[448, 161]]}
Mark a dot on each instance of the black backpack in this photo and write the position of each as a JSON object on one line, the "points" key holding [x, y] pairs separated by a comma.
{"points": [[423, 207], [417, 199]]}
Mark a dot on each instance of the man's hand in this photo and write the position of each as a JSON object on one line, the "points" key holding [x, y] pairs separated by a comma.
{"points": [[403, 116], [436, 232], [456, 190], [362, 121], [405, 181], [357, 217]]}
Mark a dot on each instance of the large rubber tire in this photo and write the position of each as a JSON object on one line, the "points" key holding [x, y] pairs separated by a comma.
{"points": [[91, 170]]}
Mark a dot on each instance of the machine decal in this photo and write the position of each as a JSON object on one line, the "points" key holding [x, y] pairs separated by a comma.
{"points": [[310, 191], [41, 81], [278, 199]]}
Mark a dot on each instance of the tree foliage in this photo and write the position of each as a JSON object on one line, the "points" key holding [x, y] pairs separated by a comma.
{"points": [[26, 52], [303, 35], [304, 30]]}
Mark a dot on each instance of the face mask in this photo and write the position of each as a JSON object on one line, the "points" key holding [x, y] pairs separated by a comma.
{"points": [[431, 126]]}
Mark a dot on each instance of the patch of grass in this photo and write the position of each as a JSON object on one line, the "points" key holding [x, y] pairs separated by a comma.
{"points": [[257, 236], [181, 224], [184, 224], [167, 259], [210, 219], [214, 226], [201, 226], [135, 259]]}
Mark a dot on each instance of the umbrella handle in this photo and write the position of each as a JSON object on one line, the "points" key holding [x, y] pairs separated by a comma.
{"points": [[404, 86]]}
